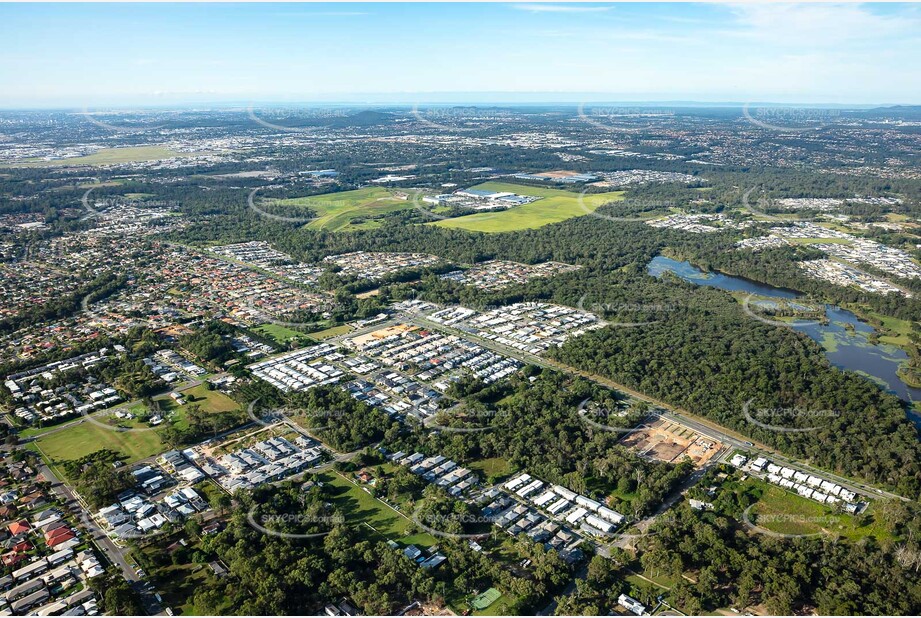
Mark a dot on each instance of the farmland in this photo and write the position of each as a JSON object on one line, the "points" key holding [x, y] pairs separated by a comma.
{"points": [[555, 206]]}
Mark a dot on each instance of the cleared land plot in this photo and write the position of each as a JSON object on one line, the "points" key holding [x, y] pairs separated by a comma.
{"points": [[109, 156], [667, 441], [335, 211], [332, 331], [368, 514], [555, 206], [494, 467], [209, 400], [280, 334], [84, 438], [784, 512]]}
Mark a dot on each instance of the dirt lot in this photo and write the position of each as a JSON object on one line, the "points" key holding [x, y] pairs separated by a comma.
{"points": [[671, 442]]}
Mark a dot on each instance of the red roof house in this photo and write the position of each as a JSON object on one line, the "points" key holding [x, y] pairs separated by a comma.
{"points": [[61, 538], [19, 527]]}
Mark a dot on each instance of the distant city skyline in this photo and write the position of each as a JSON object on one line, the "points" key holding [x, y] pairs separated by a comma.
{"points": [[111, 55]]}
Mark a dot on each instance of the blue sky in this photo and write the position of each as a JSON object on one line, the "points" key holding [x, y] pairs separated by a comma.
{"points": [[164, 54]]}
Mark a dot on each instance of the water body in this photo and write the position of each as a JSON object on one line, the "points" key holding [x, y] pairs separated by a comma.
{"points": [[846, 348]]}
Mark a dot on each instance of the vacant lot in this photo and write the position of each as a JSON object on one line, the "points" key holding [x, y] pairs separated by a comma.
{"points": [[555, 206], [280, 334], [332, 331], [671, 442], [369, 515], [336, 211], [784, 512], [83, 438]]}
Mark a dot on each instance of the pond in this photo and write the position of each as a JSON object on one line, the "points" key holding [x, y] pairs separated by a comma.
{"points": [[845, 338]]}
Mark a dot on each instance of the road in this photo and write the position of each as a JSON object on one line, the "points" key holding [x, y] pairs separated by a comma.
{"points": [[664, 410], [110, 550]]}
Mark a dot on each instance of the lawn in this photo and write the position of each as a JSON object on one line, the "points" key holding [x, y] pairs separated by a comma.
{"points": [[556, 206], [210, 400], [333, 331], [84, 438], [494, 467], [335, 211], [364, 511], [109, 156], [280, 334]]}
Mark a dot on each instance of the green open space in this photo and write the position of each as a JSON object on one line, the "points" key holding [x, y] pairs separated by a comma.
{"points": [[369, 515], [555, 206], [784, 512], [280, 334], [81, 439], [109, 156], [332, 331], [336, 211], [493, 467]]}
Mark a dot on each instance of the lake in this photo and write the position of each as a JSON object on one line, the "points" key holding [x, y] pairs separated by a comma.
{"points": [[846, 348]]}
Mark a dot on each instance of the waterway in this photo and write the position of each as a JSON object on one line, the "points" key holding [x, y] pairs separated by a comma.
{"points": [[844, 337]]}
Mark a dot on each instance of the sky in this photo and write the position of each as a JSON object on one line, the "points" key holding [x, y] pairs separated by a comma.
{"points": [[97, 55]]}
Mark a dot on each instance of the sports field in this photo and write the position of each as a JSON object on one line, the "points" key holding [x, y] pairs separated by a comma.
{"points": [[555, 206], [485, 599], [335, 211]]}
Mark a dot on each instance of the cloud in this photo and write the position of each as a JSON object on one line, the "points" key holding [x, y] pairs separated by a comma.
{"points": [[561, 8], [819, 24]]}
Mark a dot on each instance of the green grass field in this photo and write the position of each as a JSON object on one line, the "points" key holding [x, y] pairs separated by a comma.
{"points": [[210, 401], [332, 331], [555, 206], [335, 211], [280, 334], [494, 467], [108, 156], [369, 515], [84, 438], [783, 512]]}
